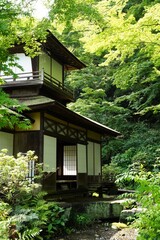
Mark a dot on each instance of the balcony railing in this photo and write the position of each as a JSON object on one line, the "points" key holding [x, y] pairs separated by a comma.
{"points": [[36, 76], [51, 80], [25, 76]]}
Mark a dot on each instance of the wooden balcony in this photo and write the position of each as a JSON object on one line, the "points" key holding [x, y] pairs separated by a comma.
{"points": [[48, 84]]}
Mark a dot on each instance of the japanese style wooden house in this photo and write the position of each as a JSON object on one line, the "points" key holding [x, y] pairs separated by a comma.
{"points": [[68, 144]]}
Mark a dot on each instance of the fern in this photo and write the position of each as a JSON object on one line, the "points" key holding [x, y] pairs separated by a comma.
{"points": [[30, 234], [20, 218]]}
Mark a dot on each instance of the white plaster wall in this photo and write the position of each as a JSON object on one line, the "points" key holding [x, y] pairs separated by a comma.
{"points": [[90, 158], [50, 154], [26, 65], [81, 158], [94, 158], [57, 70], [45, 63], [25, 62], [97, 157], [6, 141]]}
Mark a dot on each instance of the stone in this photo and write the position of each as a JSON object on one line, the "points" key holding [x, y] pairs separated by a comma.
{"points": [[96, 235], [116, 209], [118, 225], [129, 213]]}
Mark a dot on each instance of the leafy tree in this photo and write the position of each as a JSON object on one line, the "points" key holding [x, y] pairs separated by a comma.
{"points": [[16, 26], [126, 35], [11, 113], [120, 87], [132, 41]]}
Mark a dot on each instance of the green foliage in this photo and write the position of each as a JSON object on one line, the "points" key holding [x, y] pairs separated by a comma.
{"points": [[83, 220], [129, 203], [15, 190], [125, 37], [27, 222], [18, 26], [146, 197], [120, 87], [84, 217], [141, 146], [64, 12], [127, 97], [5, 210], [10, 113], [148, 194], [128, 178], [57, 218], [30, 234], [39, 217], [23, 206], [94, 94], [13, 171], [128, 41], [110, 172]]}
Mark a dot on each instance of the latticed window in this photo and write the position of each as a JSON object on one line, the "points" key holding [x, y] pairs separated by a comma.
{"points": [[69, 160], [31, 171]]}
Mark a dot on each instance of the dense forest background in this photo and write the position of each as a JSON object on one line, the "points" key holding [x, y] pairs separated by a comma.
{"points": [[120, 87]]}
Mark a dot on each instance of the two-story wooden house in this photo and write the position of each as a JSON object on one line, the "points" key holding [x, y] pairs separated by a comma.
{"points": [[68, 144]]}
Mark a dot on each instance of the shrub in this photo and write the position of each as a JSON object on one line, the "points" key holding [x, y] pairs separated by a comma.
{"points": [[14, 184], [57, 217], [127, 178], [83, 220], [110, 172], [148, 194], [24, 213], [5, 210]]}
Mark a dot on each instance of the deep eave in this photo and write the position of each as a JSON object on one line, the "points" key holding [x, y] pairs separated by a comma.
{"points": [[51, 106], [53, 47], [57, 50]]}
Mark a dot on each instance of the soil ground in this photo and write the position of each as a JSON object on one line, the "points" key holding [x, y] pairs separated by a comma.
{"points": [[101, 231]]}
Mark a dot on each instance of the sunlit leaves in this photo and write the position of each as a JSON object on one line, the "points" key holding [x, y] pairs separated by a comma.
{"points": [[123, 35], [18, 26], [13, 173], [10, 113]]}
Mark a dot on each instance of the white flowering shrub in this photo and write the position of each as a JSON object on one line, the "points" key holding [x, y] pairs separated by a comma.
{"points": [[13, 176], [24, 212]]}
